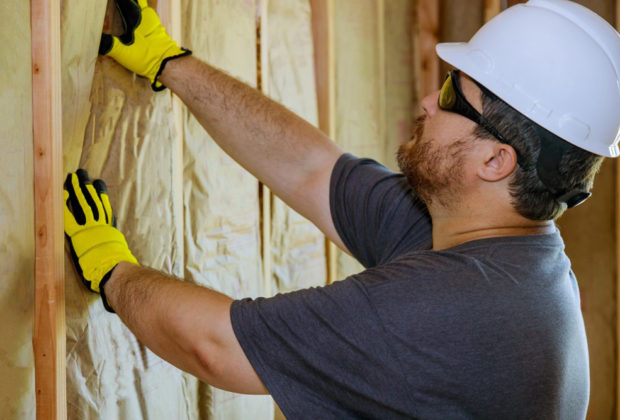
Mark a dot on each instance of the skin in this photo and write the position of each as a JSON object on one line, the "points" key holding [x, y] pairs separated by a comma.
{"points": [[190, 325]]}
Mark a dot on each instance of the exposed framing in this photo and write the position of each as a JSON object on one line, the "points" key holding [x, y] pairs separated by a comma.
{"points": [[491, 9], [427, 25], [617, 222], [265, 192], [49, 336], [617, 204], [325, 76]]}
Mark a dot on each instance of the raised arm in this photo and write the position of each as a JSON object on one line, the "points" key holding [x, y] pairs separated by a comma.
{"points": [[285, 152], [282, 150]]}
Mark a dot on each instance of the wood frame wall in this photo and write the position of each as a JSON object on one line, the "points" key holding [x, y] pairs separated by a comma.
{"points": [[49, 338], [617, 203], [325, 76], [49, 325], [265, 193], [617, 232]]}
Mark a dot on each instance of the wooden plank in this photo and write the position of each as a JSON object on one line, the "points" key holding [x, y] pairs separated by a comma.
{"points": [[617, 24], [465, 19], [324, 63], [382, 91], [49, 325], [265, 192], [491, 9], [428, 37], [617, 234], [401, 87], [325, 76]]}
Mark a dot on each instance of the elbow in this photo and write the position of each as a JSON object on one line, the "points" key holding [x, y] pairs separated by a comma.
{"points": [[206, 364]]}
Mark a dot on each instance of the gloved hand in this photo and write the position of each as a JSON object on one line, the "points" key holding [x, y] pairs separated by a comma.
{"points": [[96, 245], [144, 47]]}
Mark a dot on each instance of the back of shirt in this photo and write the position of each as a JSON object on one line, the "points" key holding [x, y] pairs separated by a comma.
{"points": [[487, 329]]}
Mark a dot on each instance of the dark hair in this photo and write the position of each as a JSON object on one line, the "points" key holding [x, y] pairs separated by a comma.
{"points": [[531, 198]]}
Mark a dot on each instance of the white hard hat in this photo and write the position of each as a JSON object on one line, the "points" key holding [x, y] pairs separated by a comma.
{"points": [[554, 61]]}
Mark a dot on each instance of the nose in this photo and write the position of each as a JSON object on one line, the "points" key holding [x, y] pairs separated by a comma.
{"points": [[429, 103]]}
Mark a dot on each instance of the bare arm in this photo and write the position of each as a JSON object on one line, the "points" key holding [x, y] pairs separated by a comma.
{"points": [[289, 155], [183, 323]]}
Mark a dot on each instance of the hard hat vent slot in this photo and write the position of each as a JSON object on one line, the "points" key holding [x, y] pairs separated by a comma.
{"points": [[571, 127]]}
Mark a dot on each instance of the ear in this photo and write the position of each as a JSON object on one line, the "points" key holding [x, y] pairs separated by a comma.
{"points": [[498, 161]]}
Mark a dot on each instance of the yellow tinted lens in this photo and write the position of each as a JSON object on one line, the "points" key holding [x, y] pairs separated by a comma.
{"points": [[447, 97]]}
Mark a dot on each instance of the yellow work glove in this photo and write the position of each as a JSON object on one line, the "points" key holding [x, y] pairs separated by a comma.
{"points": [[96, 245], [145, 47]]}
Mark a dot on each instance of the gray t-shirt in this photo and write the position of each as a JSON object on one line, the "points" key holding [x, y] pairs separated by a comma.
{"points": [[491, 328]]}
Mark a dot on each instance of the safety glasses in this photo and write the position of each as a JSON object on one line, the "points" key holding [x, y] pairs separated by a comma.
{"points": [[451, 99]]}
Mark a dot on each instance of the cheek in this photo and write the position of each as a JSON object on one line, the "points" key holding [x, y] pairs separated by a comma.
{"points": [[448, 128]]}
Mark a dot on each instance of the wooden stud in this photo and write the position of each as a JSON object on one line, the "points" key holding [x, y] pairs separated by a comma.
{"points": [[617, 234], [426, 59], [265, 193], [617, 5], [382, 94], [491, 9], [325, 75], [49, 336]]}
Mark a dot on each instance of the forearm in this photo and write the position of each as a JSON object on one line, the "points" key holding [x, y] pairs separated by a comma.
{"points": [[260, 134], [281, 149], [185, 324]]}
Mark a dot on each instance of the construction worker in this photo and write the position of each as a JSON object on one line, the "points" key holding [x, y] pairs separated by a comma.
{"points": [[468, 307]]}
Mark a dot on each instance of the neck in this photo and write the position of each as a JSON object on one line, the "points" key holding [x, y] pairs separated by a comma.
{"points": [[451, 229]]}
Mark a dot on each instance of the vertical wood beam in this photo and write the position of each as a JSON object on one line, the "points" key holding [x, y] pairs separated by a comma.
{"points": [[382, 98], [428, 35], [617, 223], [325, 76], [617, 234], [49, 337], [265, 192], [491, 9]]}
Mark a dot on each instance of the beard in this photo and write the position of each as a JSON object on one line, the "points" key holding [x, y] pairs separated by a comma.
{"points": [[434, 172]]}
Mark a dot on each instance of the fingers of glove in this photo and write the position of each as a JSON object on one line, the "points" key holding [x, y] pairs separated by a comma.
{"points": [[102, 192], [131, 14], [84, 190], [100, 216], [137, 57], [150, 22], [71, 226], [106, 43], [73, 203], [143, 4]]}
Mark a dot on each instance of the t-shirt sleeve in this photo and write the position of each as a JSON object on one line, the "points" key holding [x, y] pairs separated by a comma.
{"points": [[319, 350], [375, 211]]}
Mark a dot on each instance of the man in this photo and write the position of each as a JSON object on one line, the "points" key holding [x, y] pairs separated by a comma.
{"points": [[468, 307]]}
